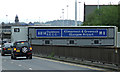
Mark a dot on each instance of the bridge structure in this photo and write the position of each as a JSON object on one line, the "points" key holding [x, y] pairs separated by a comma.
{"points": [[92, 43], [5, 32], [72, 44]]}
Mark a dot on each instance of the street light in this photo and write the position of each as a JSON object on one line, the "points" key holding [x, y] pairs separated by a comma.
{"points": [[39, 19], [98, 5], [79, 11], [63, 16], [67, 11], [67, 14], [6, 19], [75, 12]]}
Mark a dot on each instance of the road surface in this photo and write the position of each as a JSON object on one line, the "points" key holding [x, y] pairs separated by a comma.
{"points": [[38, 63]]}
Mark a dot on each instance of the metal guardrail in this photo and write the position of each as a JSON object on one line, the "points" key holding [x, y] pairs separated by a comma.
{"points": [[108, 55]]}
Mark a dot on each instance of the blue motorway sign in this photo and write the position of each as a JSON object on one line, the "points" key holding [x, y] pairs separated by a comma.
{"points": [[71, 32], [48, 32], [84, 32]]}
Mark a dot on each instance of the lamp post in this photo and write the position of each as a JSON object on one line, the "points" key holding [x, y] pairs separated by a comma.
{"points": [[67, 11], [39, 19], [67, 14], [98, 5], [75, 12], [6, 18], [79, 11], [63, 16]]}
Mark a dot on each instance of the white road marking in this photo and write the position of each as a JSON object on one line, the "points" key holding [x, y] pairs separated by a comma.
{"points": [[83, 66], [30, 68], [19, 65]]}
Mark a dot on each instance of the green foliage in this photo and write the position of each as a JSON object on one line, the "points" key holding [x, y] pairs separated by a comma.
{"points": [[51, 55], [105, 16]]}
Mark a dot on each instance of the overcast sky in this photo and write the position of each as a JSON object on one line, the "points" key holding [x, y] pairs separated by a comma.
{"points": [[43, 10]]}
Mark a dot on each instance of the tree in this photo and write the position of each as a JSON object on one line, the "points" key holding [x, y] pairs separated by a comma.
{"points": [[105, 16]]}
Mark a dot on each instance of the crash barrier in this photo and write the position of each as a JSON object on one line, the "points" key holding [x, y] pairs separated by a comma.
{"points": [[110, 55]]}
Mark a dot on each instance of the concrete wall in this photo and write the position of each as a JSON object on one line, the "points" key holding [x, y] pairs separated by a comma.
{"points": [[98, 54]]}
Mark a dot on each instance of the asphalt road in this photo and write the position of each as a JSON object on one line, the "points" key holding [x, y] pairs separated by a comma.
{"points": [[38, 63]]}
